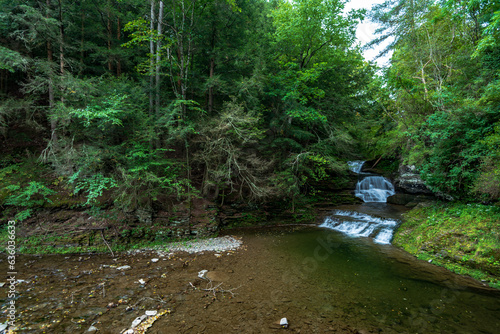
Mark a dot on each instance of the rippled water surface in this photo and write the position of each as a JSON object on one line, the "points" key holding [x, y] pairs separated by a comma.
{"points": [[377, 285]]}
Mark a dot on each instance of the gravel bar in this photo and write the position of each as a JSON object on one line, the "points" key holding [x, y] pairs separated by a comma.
{"points": [[218, 244]]}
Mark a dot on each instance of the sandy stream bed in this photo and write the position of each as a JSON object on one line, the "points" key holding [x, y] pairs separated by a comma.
{"points": [[78, 293]]}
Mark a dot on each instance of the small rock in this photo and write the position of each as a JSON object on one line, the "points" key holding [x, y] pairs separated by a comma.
{"points": [[141, 281], [124, 268], [430, 261], [155, 260], [93, 329], [284, 323], [201, 274], [151, 313], [137, 321]]}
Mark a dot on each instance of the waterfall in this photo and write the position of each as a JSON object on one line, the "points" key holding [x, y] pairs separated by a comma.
{"points": [[358, 224], [356, 166], [370, 188], [374, 189]]}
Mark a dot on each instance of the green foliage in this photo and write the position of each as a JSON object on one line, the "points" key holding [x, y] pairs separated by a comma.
{"points": [[227, 155], [455, 149], [462, 237], [107, 111], [11, 60], [93, 185], [34, 195]]}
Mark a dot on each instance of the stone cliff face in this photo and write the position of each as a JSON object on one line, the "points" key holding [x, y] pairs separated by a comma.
{"points": [[409, 181], [410, 188]]}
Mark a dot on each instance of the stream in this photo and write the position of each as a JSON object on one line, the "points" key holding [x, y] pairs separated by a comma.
{"points": [[343, 276]]}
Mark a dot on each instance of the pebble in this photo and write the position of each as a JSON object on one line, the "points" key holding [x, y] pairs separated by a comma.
{"points": [[218, 244], [124, 268], [137, 321], [201, 274], [155, 260]]}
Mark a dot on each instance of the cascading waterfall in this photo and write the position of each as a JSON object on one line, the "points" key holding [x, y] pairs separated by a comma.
{"points": [[371, 189], [356, 166], [358, 224], [374, 189]]}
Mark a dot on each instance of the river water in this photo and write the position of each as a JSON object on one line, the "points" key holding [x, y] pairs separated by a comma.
{"points": [[342, 276], [376, 285]]}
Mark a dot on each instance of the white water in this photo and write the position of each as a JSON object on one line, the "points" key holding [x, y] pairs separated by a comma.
{"points": [[358, 224], [356, 166], [374, 189], [371, 189]]}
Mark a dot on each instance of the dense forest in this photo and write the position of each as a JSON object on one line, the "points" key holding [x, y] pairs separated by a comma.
{"points": [[138, 102]]}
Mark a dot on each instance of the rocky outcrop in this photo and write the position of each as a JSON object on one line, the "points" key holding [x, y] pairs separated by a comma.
{"points": [[409, 181], [409, 200]]}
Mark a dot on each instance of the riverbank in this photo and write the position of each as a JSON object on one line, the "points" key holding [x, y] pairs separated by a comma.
{"points": [[240, 292], [464, 238]]}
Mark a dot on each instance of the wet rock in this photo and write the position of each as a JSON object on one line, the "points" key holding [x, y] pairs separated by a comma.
{"points": [[409, 200], [137, 321], [409, 181], [202, 273], [124, 268], [144, 216]]}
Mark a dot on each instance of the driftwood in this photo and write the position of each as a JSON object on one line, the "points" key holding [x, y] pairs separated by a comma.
{"points": [[376, 162]]}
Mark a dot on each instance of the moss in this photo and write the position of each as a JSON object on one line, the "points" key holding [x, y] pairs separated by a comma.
{"points": [[464, 238]]}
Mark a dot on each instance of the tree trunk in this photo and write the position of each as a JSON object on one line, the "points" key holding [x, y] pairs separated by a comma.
{"points": [[118, 37], [158, 59], [158, 67], [110, 62], [82, 41], [151, 51], [210, 88], [50, 59]]}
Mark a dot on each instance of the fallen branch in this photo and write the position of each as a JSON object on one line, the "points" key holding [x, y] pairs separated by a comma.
{"points": [[217, 288], [103, 238]]}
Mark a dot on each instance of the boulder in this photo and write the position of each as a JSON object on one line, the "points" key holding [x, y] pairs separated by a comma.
{"points": [[409, 181]]}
